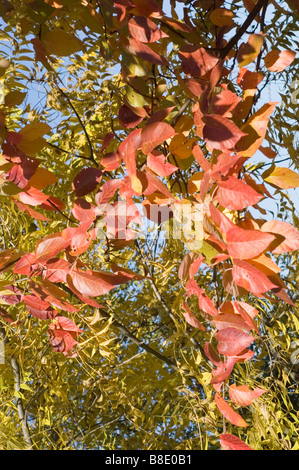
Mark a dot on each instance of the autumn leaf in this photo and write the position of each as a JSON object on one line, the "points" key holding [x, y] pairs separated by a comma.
{"points": [[277, 61], [246, 244], [191, 318], [235, 194], [227, 411], [250, 278], [61, 43], [222, 17], [283, 178], [197, 61], [86, 181], [291, 234], [249, 51], [230, 442], [242, 396], [145, 30], [220, 133], [232, 341], [49, 247], [158, 164]]}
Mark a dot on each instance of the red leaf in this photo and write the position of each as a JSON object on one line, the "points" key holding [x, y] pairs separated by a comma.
{"points": [[232, 341], [154, 135], [160, 115], [128, 118], [206, 305], [94, 283], [39, 308], [227, 411], [56, 270], [291, 234], [223, 103], [223, 222], [62, 333], [13, 299], [228, 320], [195, 265], [33, 197], [84, 299], [29, 211], [243, 396], [277, 61], [106, 141], [191, 318], [53, 204], [146, 53], [111, 161], [107, 191], [212, 354], [86, 181], [247, 244], [193, 288], [223, 371], [145, 30], [50, 246], [234, 194], [220, 133], [21, 173], [230, 442], [128, 151], [25, 264], [83, 210], [250, 278], [160, 166], [197, 61], [185, 265], [200, 158]]}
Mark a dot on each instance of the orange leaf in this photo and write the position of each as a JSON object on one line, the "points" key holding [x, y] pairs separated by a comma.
{"points": [[234, 194], [282, 178], [227, 411], [277, 61], [222, 17], [246, 244], [291, 234]]}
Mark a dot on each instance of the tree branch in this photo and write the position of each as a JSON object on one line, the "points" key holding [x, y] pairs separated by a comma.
{"points": [[234, 41], [21, 411], [137, 341]]}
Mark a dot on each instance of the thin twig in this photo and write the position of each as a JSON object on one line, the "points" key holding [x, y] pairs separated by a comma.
{"points": [[234, 41]]}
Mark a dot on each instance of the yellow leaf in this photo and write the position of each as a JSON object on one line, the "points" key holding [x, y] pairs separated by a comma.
{"points": [[184, 124], [222, 17], [34, 130], [283, 178], [42, 178], [61, 43], [30, 147], [195, 182], [181, 146], [249, 51]]}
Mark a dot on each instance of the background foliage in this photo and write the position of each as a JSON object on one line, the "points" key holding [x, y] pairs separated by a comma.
{"points": [[76, 85]]}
